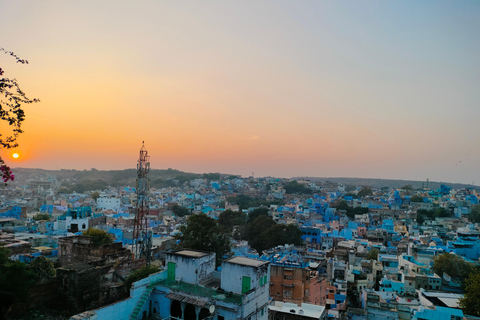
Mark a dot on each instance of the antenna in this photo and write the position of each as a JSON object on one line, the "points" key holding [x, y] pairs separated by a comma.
{"points": [[142, 237]]}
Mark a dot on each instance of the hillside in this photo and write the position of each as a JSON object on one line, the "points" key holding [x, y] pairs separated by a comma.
{"points": [[79, 180]]}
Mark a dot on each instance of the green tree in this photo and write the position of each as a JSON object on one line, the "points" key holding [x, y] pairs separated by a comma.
{"points": [[41, 216], [349, 188], [11, 113], [373, 254], [434, 213], [342, 205], [228, 219], [43, 268], [351, 211], [180, 211], [407, 187], [420, 219], [452, 264], [263, 211], [139, 274], [281, 234], [295, 187], [95, 195], [474, 215], [366, 191], [242, 200], [416, 198], [203, 233], [255, 229], [15, 277], [442, 213], [470, 303], [99, 237], [426, 213], [264, 233], [245, 201]]}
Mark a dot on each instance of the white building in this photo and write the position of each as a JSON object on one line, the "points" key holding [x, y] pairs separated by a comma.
{"points": [[74, 220], [191, 289], [109, 203]]}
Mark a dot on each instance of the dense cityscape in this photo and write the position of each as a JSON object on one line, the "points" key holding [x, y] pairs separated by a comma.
{"points": [[229, 247], [239, 160]]}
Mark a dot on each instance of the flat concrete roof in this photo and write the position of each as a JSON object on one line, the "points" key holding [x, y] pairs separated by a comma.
{"points": [[247, 261], [306, 310], [191, 253]]}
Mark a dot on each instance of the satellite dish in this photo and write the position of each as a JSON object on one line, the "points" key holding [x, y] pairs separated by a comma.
{"points": [[212, 309]]}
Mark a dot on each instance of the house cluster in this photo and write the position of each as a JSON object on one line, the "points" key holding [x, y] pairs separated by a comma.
{"points": [[366, 255]]}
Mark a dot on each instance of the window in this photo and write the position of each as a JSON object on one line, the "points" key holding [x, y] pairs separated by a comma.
{"points": [[220, 318], [261, 281]]}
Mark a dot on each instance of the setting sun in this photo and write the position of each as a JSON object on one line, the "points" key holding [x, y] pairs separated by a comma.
{"points": [[15, 155]]}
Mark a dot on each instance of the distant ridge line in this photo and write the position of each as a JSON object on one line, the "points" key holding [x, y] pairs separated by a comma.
{"points": [[391, 183]]}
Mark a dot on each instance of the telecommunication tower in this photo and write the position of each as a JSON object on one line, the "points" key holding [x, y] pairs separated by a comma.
{"points": [[142, 237]]}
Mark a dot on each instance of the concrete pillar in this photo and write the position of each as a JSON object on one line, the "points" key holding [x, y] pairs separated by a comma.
{"points": [[182, 305]]}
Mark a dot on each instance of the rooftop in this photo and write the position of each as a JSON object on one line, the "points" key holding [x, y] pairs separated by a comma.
{"points": [[191, 289], [247, 261], [191, 253], [306, 310]]}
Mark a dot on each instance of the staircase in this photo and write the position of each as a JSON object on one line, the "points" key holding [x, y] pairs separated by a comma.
{"points": [[141, 302]]}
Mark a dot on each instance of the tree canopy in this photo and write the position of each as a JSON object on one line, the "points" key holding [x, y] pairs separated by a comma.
{"points": [[373, 254], [95, 195], [262, 211], [416, 198], [203, 233], [281, 234], [43, 268], [139, 274], [228, 219], [434, 213], [470, 303], [455, 266], [295, 187], [11, 113], [474, 215], [365, 191], [351, 211], [180, 211], [264, 233], [41, 216], [99, 237], [15, 277], [244, 201]]}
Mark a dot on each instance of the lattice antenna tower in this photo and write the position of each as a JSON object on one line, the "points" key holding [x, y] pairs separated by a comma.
{"points": [[142, 237]]}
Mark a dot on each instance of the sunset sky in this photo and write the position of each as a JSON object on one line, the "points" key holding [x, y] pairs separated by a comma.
{"points": [[375, 89]]}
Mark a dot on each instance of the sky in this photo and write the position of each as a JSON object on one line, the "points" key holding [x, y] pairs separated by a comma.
{"points": [[373, 89]]}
